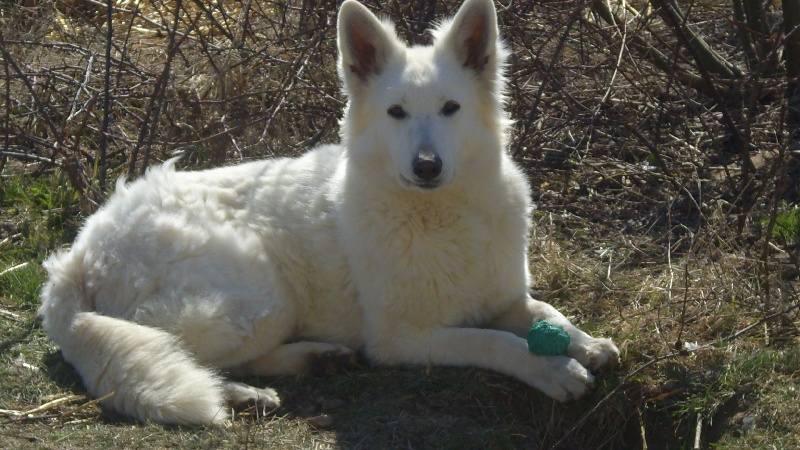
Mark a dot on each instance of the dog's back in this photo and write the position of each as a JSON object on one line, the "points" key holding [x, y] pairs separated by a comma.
{"points": [[181, 261]]}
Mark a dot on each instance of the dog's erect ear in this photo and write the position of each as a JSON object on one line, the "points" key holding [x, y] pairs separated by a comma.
{"points": [[365, 43], [472, 34]]}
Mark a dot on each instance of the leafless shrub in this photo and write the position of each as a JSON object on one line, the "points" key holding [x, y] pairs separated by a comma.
{"points": [[210, 80]]}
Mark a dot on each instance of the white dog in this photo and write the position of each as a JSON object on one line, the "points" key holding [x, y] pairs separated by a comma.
{"points": [[407, 241]]}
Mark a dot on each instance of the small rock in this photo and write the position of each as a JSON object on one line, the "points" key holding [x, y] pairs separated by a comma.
{"points": [[748, 424], [320, 422]]}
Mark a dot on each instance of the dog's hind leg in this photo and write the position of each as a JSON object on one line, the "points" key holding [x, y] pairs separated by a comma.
{"points": [[242, 395], [297, 358]]}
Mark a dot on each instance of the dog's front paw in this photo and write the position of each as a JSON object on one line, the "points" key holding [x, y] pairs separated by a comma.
{"points": [[562, 378], [594, 353]]}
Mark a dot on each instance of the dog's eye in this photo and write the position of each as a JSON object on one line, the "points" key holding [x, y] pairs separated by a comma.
{"points": [[397, 112], [450, 108]]}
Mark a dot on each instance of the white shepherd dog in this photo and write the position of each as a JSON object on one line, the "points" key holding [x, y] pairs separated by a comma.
{"points": [[407, 241]]}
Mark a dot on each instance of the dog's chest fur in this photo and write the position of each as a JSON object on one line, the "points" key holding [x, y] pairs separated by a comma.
{"points": [[454, 254]]}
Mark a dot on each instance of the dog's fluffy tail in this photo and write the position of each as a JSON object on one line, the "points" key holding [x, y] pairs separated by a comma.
{"points": [[147, 373]]}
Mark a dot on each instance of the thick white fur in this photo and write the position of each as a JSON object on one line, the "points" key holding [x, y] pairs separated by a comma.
{"points": [[255, 269]]}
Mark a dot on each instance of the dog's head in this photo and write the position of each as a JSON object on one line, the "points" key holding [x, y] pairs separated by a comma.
{"points": [[423, 113]]}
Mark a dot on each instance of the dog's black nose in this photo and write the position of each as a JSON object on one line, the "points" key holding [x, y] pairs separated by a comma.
{"points": [[427, 167]]}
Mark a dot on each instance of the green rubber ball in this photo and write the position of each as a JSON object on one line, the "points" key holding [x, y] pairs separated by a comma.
{"points": [[545, 338]]}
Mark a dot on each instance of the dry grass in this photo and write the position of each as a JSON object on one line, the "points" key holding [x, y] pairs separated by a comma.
{"points": [[667, 217]]}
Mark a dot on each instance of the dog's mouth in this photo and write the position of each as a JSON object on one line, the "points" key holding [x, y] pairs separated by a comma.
{"points": [[420, 185]]}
